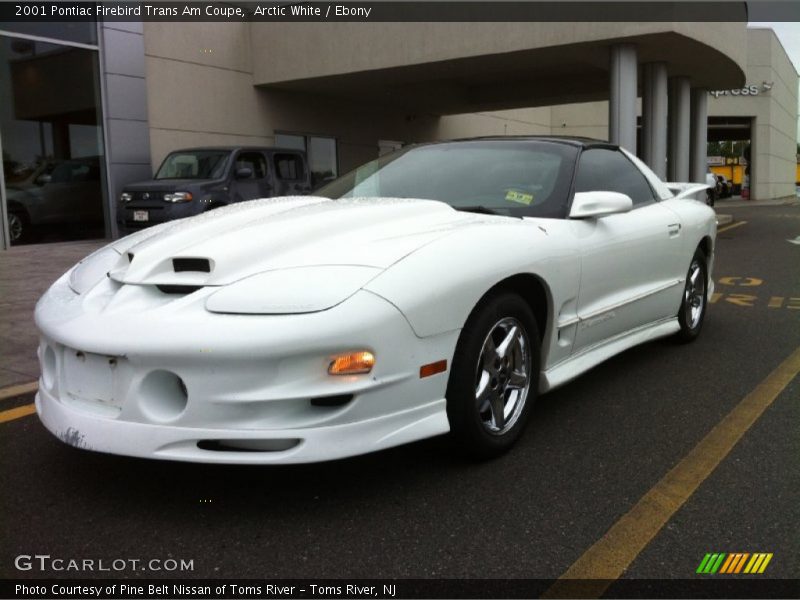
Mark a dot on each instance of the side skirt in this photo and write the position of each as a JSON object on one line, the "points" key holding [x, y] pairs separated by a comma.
{"points": [[591, 357]]}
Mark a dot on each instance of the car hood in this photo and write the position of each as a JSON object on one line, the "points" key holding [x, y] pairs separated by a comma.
{"points": [[17, 193], [160, 185], [278, 233]]}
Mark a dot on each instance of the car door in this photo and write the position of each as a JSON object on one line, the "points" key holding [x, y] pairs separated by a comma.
{"points": [[628, 260], [256, 185], [68, 192]]}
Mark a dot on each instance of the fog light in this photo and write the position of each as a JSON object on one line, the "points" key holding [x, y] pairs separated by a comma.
{"points": [[162, 395], [352, 363]]}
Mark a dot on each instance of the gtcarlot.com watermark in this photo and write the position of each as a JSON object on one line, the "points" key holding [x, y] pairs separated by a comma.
{"points": [[45, 562]]}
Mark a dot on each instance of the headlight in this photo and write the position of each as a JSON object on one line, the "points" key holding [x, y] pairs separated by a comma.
{"points": [[91, 270], [291, 291], [178, 197], [125, 197]]}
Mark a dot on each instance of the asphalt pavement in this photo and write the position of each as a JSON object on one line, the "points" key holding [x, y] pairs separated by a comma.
{"points": [[593, 449]]}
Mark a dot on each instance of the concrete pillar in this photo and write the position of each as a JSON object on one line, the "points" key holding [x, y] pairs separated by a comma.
{"points": [[699, 136], [622, 96], [679, 94], [654, 117]]}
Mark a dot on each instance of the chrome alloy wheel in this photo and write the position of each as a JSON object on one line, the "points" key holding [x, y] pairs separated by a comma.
{"points": [[694, 296], [14, 226], [503, 376]]}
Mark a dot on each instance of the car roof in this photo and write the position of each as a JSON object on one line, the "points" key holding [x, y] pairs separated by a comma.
{"points": [[570, 140], [233, 148]]}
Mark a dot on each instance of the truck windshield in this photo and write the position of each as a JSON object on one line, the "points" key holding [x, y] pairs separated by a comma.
{"points": [[195, 164], [506, 177]]}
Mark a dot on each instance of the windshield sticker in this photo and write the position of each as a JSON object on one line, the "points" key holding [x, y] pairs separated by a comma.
{"points": [[519, 197]]}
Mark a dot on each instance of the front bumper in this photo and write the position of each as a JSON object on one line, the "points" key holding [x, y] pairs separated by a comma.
{"points": [[174, 381], [264, 446], [157, 212]]}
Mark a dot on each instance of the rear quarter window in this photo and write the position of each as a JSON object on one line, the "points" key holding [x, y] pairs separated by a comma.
{"points": [[607, 170]]}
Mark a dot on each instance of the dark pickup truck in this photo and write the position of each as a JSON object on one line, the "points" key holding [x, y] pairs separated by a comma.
{"points": [[195, 180]]}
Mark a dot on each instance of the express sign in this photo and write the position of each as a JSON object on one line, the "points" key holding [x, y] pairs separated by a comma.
{"points": [[748, 90]]}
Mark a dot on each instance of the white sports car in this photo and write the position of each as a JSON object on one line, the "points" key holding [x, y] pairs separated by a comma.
{"points": [[437, 289]]}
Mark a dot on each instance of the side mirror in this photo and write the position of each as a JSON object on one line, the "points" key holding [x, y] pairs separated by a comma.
{"points": [[587, 205], [244, 173]]}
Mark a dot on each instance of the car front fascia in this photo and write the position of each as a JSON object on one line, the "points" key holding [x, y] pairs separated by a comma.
{"points": [[247, 377]]}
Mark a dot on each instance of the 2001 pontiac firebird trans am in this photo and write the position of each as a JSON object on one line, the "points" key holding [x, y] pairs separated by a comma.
{"points": [[437, 289]]}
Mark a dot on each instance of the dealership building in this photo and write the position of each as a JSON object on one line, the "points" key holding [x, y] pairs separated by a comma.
{"points": [[86, 108]]}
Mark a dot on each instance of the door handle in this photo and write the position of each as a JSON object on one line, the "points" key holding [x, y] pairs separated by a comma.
{"points": [[674, 229]]}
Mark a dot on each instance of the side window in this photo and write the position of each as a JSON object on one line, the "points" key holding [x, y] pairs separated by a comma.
{"points": [[255, 161], [289, 166], [602, 169], [323, 158], [321, 152]]}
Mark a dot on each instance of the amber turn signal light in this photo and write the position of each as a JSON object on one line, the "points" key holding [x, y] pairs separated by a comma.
{"points": [[440, 366], [352, 363]]}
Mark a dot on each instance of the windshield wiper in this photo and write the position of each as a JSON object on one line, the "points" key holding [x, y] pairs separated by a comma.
{"points": [[484, 210]]}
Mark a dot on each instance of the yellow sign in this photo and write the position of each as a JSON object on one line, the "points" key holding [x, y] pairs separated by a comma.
{"points": [[519, 197]]}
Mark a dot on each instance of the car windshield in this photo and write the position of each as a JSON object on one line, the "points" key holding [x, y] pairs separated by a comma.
{"points": [[195, 164], [505, 177]]}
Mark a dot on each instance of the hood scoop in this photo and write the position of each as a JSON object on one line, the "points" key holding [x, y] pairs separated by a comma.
{"points": [[174, 275], [194, 265]]}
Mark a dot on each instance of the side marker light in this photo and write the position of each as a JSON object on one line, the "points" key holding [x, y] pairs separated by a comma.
{"points": [[440, 366]]}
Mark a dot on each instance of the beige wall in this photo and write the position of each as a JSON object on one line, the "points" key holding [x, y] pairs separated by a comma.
{"points": [[524, 121], [200, 87], [200, 92], [588, 119]]}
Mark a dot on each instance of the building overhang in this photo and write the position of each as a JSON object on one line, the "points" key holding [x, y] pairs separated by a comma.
{"points": [[542, 76]]}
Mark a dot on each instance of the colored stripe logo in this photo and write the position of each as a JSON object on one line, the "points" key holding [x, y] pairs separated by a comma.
{"points": [[734, 563]]}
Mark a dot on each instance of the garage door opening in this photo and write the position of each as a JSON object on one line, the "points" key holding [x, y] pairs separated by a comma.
{"points": [[730, 155]]}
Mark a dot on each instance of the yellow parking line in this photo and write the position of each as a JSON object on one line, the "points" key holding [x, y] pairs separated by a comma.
{"points": [[17, 413], [18, 390], [731, 226], [608, 558]]}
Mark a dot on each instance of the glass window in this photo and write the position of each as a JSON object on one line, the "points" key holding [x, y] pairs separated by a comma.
{"points": [[518, 178], [322, 158], [321, 152], [84, 31], [255, 161], [603, 169], [289, 166], [52, 140], [194, 164]]}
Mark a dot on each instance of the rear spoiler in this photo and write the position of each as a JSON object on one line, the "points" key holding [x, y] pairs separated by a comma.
{"points": [[686, 190]]}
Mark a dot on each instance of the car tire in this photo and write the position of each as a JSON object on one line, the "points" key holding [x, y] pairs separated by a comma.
{"points": [[694, 302], [494, 377], [18, 226]]}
